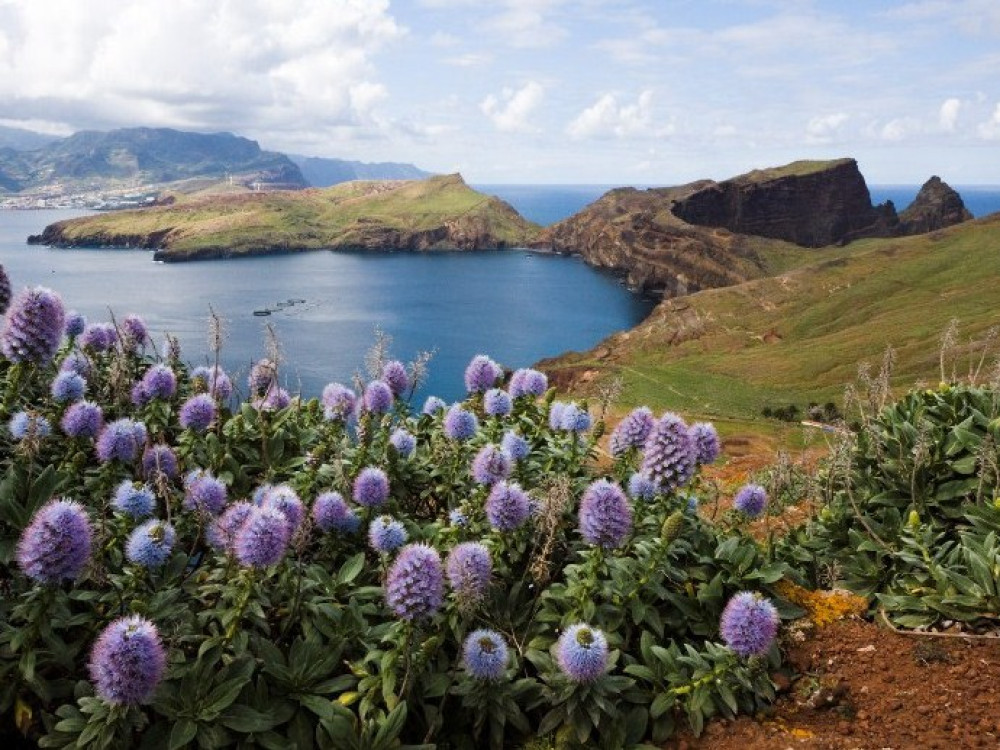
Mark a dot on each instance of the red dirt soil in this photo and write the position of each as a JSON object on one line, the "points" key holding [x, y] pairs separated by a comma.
{"points": [[856, 685]]}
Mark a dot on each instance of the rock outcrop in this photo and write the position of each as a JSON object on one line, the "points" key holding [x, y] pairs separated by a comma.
{"points": [[936, 206], [813, 204]]}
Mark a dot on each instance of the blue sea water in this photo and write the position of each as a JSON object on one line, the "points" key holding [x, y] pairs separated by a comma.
{"points": [[516, 306], [979, 199]]}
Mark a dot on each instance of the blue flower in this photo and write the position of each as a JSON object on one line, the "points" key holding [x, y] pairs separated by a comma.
{"points": [[385, 534], [484, 655], [481, 374], [68, 386], [514, 445], [497, 403], [371, 487], [134, 499], [749, 624], [751, 500], [331, 513], [150, 544], [403, 442], [433, 405], [460, 424], [582, 653]]}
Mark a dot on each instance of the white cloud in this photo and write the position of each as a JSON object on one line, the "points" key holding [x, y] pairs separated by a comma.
{"points": [[895, 130], [606, 119], [948, 115], [990, 130], [825, 128], [511, 110], [247, 65], [469, 60]]}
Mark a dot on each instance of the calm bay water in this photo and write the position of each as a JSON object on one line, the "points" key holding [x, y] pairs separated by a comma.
{"points": [[516, 306]]}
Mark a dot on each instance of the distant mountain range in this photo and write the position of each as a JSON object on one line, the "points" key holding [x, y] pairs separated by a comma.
{"points": [[142, 158]]}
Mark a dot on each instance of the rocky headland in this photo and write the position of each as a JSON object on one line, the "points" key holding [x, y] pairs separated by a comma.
{"points": [[440, 213], [709, 234]]}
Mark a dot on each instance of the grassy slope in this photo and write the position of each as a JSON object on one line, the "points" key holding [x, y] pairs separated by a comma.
{"points": [[306, 219], [801, 336]]}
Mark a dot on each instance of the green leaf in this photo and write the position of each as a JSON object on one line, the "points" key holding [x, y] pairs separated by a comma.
{"points": [[351, 569], [244, 719], [390, 728], [181, 735]]}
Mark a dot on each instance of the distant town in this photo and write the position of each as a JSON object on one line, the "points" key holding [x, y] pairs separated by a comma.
{"points": [[103, 199]]}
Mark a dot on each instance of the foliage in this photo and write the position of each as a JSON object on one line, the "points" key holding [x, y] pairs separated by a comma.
{"points": [[306, 651], [912, 512]]}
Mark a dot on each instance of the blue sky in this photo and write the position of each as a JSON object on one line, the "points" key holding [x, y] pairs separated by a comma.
{"points": [[546, 91]]}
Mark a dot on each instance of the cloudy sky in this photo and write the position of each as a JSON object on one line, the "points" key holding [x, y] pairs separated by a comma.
{"points": [[545, 91]]}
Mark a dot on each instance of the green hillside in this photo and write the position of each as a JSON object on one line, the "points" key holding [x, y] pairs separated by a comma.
{"points": [[438, 213], [801, 336]]}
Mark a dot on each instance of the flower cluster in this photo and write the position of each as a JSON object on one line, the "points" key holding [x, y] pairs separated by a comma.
{"points": [[339, 402], [605, 515], [751, 500], [749, 624], [491, 465], [582, 653], [484, 655], [469, 569], [128, 661], [482, 374], [414, 588], [527, 382], [632, 431], [507, 506], [33, 327], [668, 455], [56, 544]]}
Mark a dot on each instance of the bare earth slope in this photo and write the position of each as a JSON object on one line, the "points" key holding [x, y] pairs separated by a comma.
{"points": [[441, 213]]}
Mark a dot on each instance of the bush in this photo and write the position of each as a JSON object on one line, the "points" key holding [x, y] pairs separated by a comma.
{"points": [[295, 564], [912, 513]]}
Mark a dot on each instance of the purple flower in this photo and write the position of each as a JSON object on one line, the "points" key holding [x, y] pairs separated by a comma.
{"points": [[198, 412], [371, 487], [574, 419], [150, 544], [641, 488], [668, 456], [403, 442], [159, 459], [203, 492], [68, 386], [275, 400], [433, 405], [582, 653], [135, 499], [78, 362], [481, 374], [377, 397], [460, 424], [99, 337], [331, 513], [414, 587], [263, 377], [527, 382], [605, 515], [497, 403], [28, 425], [632, 431], [120, 440], [135, 334], [469, 569], [283, 498], [490, 465], [706, 442], [127, 661], [749, 624], [338, 402], [484, 655], [514, 445], [262, 539], [385, 534], [394, 375], [213, 380], [751, 500], [221, 534], [33, 327], [458, 518], [75, 323], [83, 419], [56, 544], [507, 506], [556, 414], [5, 290]]}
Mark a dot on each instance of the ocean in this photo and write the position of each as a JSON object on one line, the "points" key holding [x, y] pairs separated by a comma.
{"points": [[516, 306]]}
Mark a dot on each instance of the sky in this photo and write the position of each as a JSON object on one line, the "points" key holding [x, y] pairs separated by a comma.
{"points": [[530, 91]]}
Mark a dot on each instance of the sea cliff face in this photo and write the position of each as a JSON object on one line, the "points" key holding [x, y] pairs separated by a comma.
{"points": [[713, 234]]}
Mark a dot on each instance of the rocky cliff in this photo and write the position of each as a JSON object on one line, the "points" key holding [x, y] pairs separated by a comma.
{"points": [[711, 234], [813, 204], [936, 206]]}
